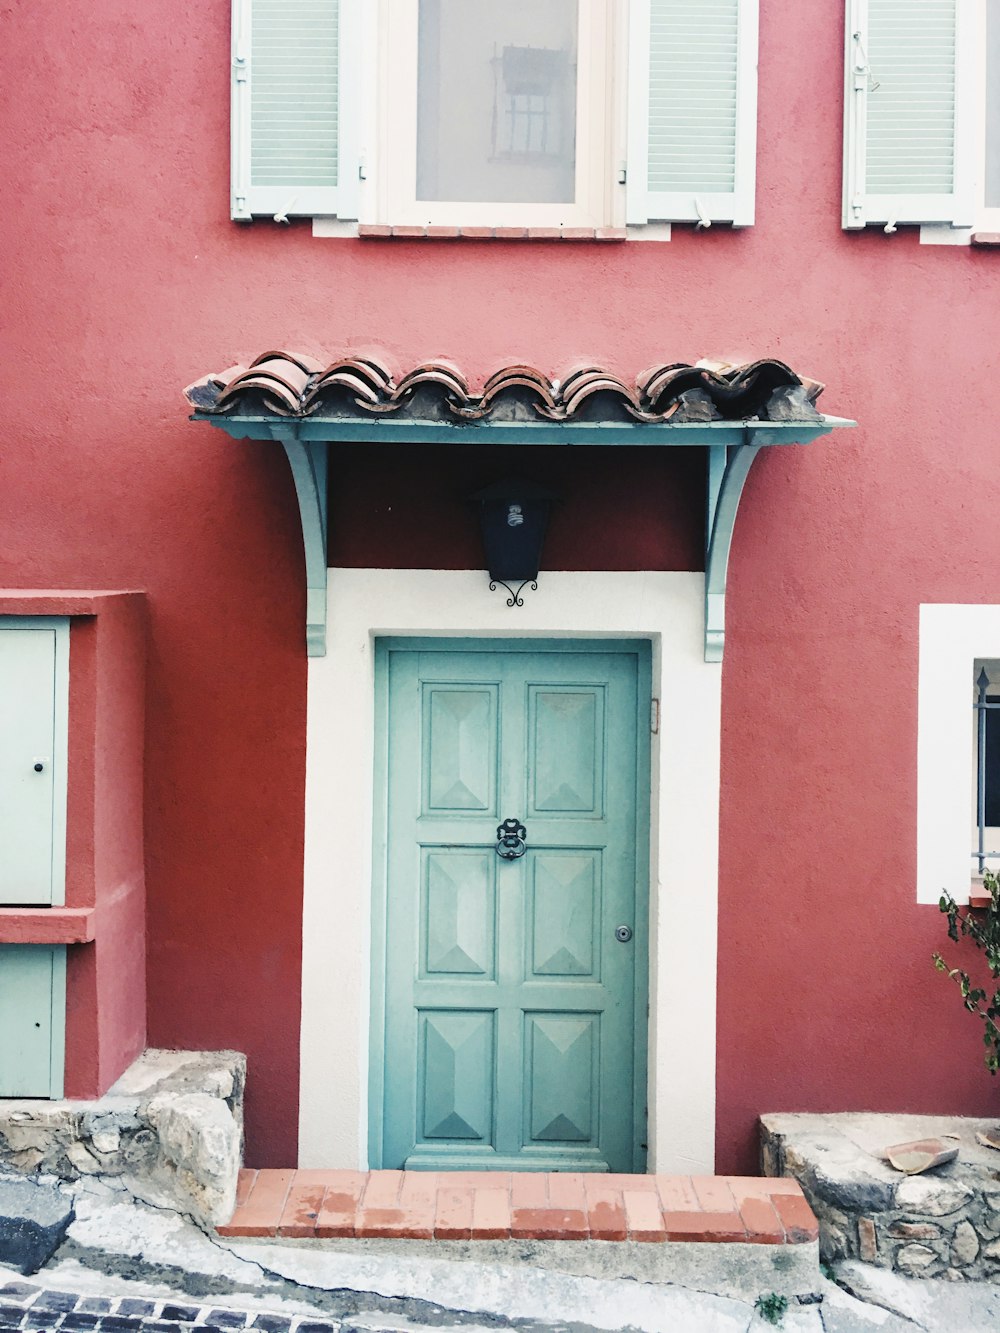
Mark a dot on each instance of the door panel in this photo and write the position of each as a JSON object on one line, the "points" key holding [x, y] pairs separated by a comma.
{"points": [[510, 1009], [27, 739], [32, 1001]]}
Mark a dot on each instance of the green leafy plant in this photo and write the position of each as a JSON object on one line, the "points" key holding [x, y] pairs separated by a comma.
{"points": [[982, 927], [771, 1307]]}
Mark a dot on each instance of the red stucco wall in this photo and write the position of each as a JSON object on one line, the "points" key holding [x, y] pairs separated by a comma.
{"points": [[124, 280]]}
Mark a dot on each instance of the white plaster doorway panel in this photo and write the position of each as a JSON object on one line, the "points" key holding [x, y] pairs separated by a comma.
{"points": [[365, 604]]}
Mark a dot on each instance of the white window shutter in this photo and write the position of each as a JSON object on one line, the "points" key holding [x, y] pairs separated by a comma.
{"points": [[288, 104], [692, 111], [909, 112]]}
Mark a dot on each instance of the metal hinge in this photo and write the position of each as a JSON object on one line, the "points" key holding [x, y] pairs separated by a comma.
{"points": [[242, 67]]}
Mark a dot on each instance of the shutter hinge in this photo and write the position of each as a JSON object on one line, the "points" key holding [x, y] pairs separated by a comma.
{"points": [[623, 175], [654, 723], [242, 67]]}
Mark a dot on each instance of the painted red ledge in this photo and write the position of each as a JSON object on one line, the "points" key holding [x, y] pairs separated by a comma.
{"points": [[46, 925], [537, 1205], [58, 601]]}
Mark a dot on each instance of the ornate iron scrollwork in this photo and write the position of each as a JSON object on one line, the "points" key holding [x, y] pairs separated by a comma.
{"points": [[511, 835]]}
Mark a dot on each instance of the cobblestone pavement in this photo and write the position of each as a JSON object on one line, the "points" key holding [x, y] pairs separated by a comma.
{"points": [[36, 1310]]}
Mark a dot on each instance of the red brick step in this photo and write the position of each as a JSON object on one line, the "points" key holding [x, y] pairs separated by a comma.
{"points": [[500, 1205]]}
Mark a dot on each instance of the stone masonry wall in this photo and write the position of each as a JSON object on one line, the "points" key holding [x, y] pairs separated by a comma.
{"points": [[944, 1223], [171, 1129]]}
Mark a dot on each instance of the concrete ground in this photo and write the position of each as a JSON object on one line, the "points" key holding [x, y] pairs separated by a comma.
{"points": [[131, 1266]]}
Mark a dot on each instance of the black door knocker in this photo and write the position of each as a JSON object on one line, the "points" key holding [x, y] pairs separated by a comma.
{"points": [[510, 839]]}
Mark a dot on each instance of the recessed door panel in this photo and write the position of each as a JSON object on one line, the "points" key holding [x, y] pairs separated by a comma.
{"points": [[565, 913], [459, 748], [561, 1078], [566, 746], [458, 917], [510, 1009], [32, 730], [32, 998], [456, 1076]]}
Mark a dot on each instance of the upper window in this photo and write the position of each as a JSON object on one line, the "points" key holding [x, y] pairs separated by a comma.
{"points": [[922, 113], [527, 113]]}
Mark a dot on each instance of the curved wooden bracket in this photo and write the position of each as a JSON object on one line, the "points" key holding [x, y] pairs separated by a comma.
{"points": [[309, 463], [728, 467]]}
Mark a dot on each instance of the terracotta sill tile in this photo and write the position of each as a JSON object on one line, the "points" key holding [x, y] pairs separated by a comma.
{"points": [[607, 1218], [762, 1222], [370, 230], [643, 1215], [244, 1184], [549, 1224], [477, 233], [409, 232], [528, 1190], [338, 1211], [302, 1205], [261, 1213], [385, 1223], [545, 233], [511, 233], [453, 1218], [441, 233], [796, 1217], [610, 234], [566, 1191], [762, 1187], [633, 1183], [713, 1227], [986, 238], [677, 1194], [382, 1189], [713, 1194], [490, 1214]]}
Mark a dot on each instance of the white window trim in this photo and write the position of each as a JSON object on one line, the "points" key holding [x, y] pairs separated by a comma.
{"points": [[952, 637], [667, 609], [594, 205]]}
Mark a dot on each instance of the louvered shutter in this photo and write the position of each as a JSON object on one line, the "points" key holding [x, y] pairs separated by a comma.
{"points": [[908, 124], [288, 136], [692, 111]]}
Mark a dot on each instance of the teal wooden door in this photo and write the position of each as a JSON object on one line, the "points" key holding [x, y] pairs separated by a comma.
{"points": [[514, 1015]]}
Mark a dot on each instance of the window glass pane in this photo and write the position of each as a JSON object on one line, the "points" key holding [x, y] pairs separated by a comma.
{"points": [[993, 104], [496, 101]]}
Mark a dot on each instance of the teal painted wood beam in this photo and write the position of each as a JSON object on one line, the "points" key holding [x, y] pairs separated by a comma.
{"points": [[732, 447], [404, 430]]}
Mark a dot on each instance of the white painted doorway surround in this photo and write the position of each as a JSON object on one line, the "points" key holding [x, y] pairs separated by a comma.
{"points": [[365, 604]]}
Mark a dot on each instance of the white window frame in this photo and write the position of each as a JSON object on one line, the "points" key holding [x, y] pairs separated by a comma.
{"points": [[595, 204], [952, 639]]}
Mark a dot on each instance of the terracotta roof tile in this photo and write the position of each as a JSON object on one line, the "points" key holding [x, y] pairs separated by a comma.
{"points": [[290, 384]]}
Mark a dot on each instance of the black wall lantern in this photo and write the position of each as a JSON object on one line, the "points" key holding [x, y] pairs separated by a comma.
{"points": [[513, 516]]}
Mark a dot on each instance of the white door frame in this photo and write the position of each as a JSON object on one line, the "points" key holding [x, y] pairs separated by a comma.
{"points": [[365, 604]]}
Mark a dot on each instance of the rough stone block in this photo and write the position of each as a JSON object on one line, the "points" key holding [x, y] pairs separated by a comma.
{"points": [[933, 1196], [867, 1242], [33, 1222], [914, 1259], [964, 1245]]}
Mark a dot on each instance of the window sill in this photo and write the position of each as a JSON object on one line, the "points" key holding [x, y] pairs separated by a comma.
{"points": [[986, 238], [368, 231]]}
